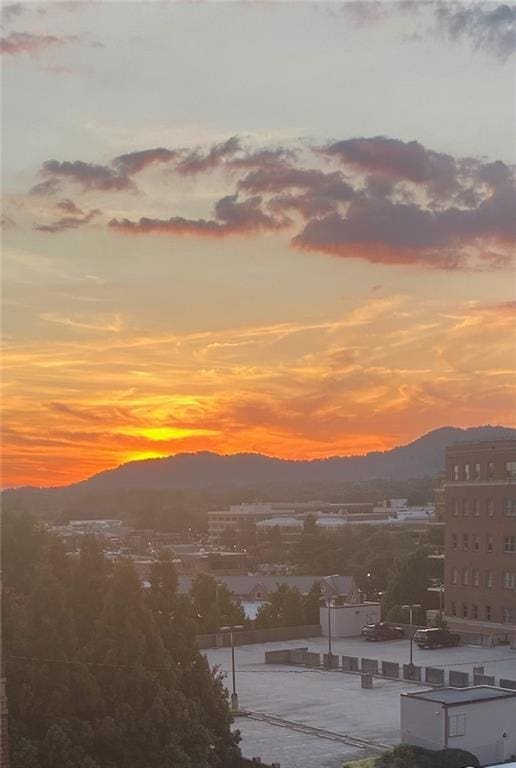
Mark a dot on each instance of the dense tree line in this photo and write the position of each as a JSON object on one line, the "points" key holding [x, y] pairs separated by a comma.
{"points": [[100, 672], [178, 509]]}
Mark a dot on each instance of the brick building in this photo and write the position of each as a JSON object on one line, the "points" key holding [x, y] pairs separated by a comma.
{"points": [[480, 537]]}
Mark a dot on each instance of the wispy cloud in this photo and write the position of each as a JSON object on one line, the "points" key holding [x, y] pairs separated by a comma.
{"points": [[17, 43]]}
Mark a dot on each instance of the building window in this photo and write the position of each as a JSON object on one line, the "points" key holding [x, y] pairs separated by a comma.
{"points": [[455, 507], [474, 611], [465, 577], [489, 544], [509, 544], [456, 725], [510, 470], [507, 615], [258, 596], [464, 611], [476, 543], [454, 541], [466, 472], [454, 576], [488, 613], [490, 507], [490, 470], [477, 471], [509, 507], [476, 507], [453, 608], [489, 579], [509, 580], [455, 472], [475, 577], [465, 507], [465, 541]]}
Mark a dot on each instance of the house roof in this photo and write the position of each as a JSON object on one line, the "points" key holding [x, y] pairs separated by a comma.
{"points": [[456, 696], [244, 585]]}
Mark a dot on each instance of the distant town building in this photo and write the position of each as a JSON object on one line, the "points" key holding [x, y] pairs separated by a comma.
{"points": [[480, 537], [480, 719], [260, 514]]}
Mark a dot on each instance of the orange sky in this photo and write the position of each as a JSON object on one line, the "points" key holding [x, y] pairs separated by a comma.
{"points": [[378, 375]]}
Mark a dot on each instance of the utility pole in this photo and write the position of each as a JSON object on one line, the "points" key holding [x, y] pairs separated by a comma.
{"points": [[411, 633]]}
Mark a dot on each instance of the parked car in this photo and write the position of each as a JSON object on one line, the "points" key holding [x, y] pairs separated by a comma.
{"points": [[382, 631], [435, 638]]}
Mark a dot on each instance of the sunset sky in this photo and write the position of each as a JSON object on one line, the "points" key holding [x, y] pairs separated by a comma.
{"points": [[245, 226]]}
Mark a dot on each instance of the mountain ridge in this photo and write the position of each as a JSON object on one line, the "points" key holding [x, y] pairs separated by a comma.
{"points": [[423, 457]]}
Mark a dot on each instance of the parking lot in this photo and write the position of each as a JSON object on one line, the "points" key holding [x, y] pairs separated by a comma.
{"points": [[319, 718]]}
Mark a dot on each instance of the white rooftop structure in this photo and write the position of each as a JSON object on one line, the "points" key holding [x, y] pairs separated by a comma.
{"points": [[280, 522]]}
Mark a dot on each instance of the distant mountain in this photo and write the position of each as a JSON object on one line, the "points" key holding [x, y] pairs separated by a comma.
{"points": [[422, 458]]}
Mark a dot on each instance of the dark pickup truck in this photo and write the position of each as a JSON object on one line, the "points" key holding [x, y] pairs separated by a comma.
{"points": [[435, 638], [382, 631]]}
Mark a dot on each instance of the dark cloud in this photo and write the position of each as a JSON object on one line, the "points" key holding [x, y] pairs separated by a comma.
{"points": [[134, 162], [67, 222], [45, 188], [397, 160], [89, 175], [68, 206], [17, 43], [262, 157], [489, 27], [198, 162], [381, 230], [322, 192], [461, 214], [231, 218]]}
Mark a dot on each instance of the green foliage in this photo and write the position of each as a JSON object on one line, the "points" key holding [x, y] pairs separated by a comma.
{"points": [[407, 756], [408, 584], [101, 673], [213, 605], [285, 607]]}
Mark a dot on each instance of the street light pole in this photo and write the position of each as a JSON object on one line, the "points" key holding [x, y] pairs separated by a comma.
{"points": [[329, 630], [410, 609], [234, 696]]}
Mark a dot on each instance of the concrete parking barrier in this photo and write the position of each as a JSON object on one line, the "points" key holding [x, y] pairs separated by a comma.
{"points": [[297, 655], [457, 679], [278, 657], [505, 683], [390, 669], [369, 665], [366, 680], [483, 680], [412, 672], [350, 663], [434, 675], [331, 661], [312, 659]]}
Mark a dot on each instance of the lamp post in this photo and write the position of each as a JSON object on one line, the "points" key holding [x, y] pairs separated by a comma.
{"points": [[234, 697], [410, 609]]}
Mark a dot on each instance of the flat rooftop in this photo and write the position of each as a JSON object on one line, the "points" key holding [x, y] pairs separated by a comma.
{"points": [[453, 696]]}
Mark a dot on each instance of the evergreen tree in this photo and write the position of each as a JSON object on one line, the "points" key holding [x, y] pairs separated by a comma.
{"points": [[284, 608]]}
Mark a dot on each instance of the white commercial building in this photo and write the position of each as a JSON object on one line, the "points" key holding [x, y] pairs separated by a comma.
{"points": [[347, 620], [479, 719]]}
